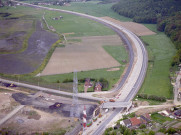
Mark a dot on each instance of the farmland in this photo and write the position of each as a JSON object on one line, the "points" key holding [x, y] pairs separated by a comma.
{"points": [[77, 25], [88, 54], [93, 8], [82, 56], [160, 50], [24, 43]]}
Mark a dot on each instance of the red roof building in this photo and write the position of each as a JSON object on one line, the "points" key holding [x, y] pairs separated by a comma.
{"points": [[135, 122]]}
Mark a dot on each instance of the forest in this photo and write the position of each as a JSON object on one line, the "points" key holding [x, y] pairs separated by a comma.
{"points": [[165, 13]]}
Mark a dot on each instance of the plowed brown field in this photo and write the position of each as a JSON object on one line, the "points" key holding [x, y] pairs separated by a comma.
{"points": [[136, 28], [86, 54]]}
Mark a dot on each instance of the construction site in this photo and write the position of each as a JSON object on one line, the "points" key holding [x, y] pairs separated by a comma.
{"points": [[37, 112]]}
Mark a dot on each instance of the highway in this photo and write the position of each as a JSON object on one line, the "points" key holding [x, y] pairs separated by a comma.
{"points": [[136, 71]]}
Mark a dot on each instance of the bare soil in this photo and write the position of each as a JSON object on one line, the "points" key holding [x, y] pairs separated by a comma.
{"points": [[22, 123], [152, 110], [85, 55], [113, 69], [12, 34], [38, 46], [136, 28], [7, 103]]}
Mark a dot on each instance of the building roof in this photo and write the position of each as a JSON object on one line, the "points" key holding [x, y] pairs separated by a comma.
{"points": [[127, 122], [178, 112], [135, 121], [98, 83]]}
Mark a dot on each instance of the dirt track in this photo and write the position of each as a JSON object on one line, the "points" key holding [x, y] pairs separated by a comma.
{"points": [[82, 54], [136, 28]]}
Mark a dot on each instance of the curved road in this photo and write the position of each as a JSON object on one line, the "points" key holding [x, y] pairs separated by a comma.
{"points": [[136, 71]]}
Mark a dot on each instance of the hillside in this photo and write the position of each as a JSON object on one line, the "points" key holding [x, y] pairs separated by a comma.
{"points": [[166, 13]]}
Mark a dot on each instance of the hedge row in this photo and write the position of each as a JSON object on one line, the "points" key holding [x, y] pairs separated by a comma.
{"points": [[152, 97]]}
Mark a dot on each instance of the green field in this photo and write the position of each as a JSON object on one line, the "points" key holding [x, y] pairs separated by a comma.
{"points": [[75, 24], [111, 76], [159, 118], [119, 53], [93, 8], [160, 50]]}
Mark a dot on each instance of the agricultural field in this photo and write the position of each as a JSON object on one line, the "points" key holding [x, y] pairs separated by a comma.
{"points": [[87, 53], [82, 56], [94, 8], [138, 29], [76, 25], [24, 43], [160, 50]]}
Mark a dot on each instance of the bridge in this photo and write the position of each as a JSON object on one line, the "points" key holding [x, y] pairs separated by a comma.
{"points": [[117, 104]]}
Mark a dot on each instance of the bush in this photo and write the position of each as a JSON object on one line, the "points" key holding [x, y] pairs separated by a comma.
{"points": [[152, 97], [104, 82], [144, 96], [142, 126], [151, 133], [171, 131], [67, 80]]}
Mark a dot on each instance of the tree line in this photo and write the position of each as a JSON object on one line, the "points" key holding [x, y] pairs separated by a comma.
{"points": [[165, 13]]}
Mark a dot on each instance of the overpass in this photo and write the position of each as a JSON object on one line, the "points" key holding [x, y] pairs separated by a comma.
{"points": [[117, 104]]}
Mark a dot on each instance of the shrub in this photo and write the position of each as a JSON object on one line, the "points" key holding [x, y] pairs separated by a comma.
{"points": [[142, 126], [67, 80]]}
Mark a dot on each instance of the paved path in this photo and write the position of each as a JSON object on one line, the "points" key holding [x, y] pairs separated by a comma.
{"points": [[11, 114]]}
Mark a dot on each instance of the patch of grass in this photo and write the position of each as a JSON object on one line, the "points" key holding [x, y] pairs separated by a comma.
{"points": [[159, 118], [151, 102], [93, 8], [160, 51], [79, 25], [74, 40], [22, 11], [111, 76], [119, 53]]}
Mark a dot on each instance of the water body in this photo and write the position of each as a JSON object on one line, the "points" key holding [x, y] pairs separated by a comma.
{"points": [[26, 62]]}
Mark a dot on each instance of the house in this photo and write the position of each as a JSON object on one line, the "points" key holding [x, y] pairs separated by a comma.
{"points": [[88, 83], [145, 119], [177, 113], [135, 122], [98, 86], [127, 123]]}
